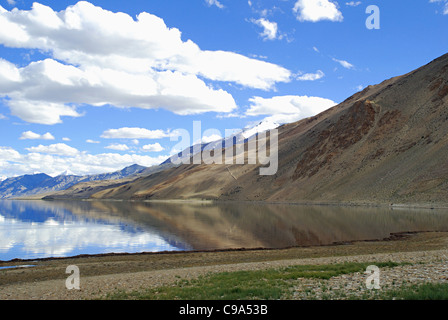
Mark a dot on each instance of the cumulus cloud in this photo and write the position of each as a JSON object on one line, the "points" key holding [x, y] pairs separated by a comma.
{"points": [[445, 5], [8, 153], [30, 135], [155, 147], [311, 76], [211, 138], [317, 10], [48, 90], [215, 3], [134, 133], [99, 57], [118, 147], [286, 109], [270, 29], [353, 3], [59, 149], [57, 159], [40, 112]]}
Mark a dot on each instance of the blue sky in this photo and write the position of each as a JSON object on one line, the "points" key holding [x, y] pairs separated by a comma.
{"points": [[96, 86]]}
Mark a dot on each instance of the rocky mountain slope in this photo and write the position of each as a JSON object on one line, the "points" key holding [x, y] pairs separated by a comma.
{"points": [[385, 144], [86, 188]]}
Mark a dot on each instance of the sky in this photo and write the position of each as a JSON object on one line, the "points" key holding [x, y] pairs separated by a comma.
{"points": [[94, 86]]}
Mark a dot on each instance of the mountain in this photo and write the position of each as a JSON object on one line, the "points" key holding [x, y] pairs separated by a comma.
{"points": [[20, 185], [31, 185], [237, 138], [86, 188], [124, 173], [385, 144]]}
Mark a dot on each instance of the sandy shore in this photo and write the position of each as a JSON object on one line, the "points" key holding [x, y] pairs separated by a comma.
{"points": [[100, 275]]}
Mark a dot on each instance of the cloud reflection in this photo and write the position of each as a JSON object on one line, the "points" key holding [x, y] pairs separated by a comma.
{"points": [[58, 238]]}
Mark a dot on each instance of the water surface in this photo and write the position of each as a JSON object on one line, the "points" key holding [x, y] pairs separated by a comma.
{"points": [[40, 229]]}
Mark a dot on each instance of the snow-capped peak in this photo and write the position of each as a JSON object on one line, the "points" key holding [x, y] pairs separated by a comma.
{"points": [[67, 173], [261, 127]]}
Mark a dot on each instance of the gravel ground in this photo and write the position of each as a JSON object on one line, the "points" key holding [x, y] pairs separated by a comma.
{"points": [[427, 253], [426, 267]]}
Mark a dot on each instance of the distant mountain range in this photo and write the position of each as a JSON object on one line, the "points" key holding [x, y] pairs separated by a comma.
{"points": [[30, 185], [40, 185]]}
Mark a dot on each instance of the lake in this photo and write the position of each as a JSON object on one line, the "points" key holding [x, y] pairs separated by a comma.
{"points": [[40, 229]]}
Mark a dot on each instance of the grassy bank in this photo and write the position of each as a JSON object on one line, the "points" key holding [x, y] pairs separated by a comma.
{"points": [[260, 284], [274, 284]]}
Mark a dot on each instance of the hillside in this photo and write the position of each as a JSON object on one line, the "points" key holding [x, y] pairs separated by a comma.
{"points": [[385, 144], [86, 188]]}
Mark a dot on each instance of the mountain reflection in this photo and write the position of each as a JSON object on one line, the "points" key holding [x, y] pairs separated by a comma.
{"points": [[36, 229]]}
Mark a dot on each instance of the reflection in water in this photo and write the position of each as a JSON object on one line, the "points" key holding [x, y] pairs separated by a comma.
{"points": [[36, 229]]}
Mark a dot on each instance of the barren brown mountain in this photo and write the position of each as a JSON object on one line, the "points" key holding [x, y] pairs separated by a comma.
{"points": [[385, 144]]}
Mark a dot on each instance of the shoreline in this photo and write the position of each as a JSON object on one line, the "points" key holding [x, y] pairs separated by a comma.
{"points": [[393, 237], [360, 203]]}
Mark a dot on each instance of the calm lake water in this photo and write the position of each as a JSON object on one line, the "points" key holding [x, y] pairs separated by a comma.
{"points": [[39, 229]]}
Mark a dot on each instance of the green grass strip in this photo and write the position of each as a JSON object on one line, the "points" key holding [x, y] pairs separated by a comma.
{"points": [[426, 291], [260, 284]]}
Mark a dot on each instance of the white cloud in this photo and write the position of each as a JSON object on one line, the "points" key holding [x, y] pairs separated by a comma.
{"points": [[344, 63], [66, 139], [285, 109], [118, 147], [92, 141], [134, 133], [317, 10], [270, 29], [12, 163], [58, 149], [50, 80], [7, 153], [210, 137], [311, 76], [156, 147], [30, 135], [353, 3], [110, 58], [215, 3], [445, 5], [40, 112]]}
